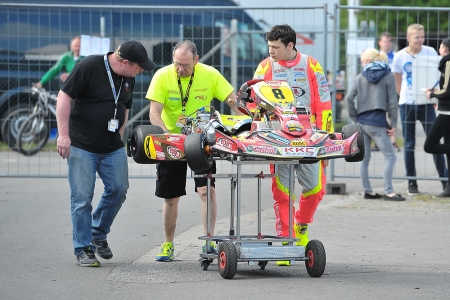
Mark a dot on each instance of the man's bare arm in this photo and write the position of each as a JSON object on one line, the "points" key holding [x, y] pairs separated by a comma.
{"points": [[155, 115], [231, 101], [122, 129], [62, 118]]}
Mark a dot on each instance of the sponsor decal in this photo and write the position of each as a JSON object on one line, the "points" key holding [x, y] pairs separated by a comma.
{"points": [[298, 143], [173, 138], [299, 74], [316, 136], [225, 143], [294, 126], [278, 138], [300, 69], [299, 151], [281, 76], [160, 155], [174, 98], [127, 87], [279, 71], [299, 92], [201, 97], [157, 143], [174, 91], [201, 90], [173, 152], [147, 143], [334, 149], [340, 142], [262, 150]]}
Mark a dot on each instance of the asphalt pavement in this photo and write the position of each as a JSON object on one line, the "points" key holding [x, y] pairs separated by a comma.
{"points": [[375, 249]]}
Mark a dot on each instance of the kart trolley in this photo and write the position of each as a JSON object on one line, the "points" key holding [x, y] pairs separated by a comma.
{"points": [[257, 248]]}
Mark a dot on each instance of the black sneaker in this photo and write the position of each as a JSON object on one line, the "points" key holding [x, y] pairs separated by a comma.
{"points": [[396, 197], [87, 258], [412, 189], [102, 249], [369, 196]]}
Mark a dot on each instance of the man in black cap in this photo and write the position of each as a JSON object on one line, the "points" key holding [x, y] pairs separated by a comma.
{"points": [[92, 112]]}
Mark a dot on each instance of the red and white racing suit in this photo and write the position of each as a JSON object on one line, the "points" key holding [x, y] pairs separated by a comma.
{"points": [[308, 81]]}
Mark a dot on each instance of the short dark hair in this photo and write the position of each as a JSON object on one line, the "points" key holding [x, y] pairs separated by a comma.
{"points": [[386, 34], [446, 42], [283, 32]]}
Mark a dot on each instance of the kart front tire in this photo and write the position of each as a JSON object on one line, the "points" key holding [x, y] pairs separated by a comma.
{"points": [[195, 153], [136, 143], [348, 131]]}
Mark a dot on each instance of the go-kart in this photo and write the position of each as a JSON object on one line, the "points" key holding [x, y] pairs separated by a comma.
{"points": [[278, 127]]}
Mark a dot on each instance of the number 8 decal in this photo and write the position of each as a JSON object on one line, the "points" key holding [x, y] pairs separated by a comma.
{"points": [[278, 93]]}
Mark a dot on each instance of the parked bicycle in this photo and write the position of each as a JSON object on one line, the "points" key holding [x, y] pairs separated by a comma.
{"points": [[28, 131]]}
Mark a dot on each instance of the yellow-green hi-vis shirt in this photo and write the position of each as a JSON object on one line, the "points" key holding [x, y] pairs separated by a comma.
{"points": [[207, 84]]}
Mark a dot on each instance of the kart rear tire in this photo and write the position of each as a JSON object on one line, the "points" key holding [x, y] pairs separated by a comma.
{"points": [[136, 143], [315, 265], [194, 151], [348, 131]]}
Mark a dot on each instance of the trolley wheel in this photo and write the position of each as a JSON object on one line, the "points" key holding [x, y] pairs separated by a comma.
{"points": [[227, 260], [196, 156], [348, 131], [262, 264], [136, 143], [315, 265], [204, 264]]}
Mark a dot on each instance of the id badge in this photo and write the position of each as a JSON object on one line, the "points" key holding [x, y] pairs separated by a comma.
{"points": [[113, 124]]}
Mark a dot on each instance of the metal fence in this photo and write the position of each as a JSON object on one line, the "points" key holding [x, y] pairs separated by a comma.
{"points": [[32, 36], [357, 27]]}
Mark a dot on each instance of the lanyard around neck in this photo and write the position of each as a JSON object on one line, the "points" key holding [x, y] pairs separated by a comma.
{"points": [[186, 97], [116, 96]]}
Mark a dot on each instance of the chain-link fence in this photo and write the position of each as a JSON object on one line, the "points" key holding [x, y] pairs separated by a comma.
{"points": [[359, 27], [33, 36]]}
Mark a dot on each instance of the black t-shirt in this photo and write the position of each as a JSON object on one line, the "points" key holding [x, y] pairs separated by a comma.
{"points": [[93, 105]]}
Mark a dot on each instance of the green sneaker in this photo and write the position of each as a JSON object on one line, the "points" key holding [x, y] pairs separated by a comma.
{"points": [[167, 252], [212, 247], [283, 262], [301, 233]]}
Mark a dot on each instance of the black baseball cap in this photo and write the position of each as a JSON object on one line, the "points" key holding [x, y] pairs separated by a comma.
{"points": [[135, 52]]}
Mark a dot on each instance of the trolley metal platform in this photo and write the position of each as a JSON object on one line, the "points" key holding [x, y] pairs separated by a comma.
{"points": [[256, 248]]}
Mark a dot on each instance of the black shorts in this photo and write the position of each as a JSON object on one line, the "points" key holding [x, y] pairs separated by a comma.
{"points": [[171, 179]]}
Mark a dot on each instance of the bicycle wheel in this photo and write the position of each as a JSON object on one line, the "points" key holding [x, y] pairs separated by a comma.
{"points": [[11, 126], [33, 134]]}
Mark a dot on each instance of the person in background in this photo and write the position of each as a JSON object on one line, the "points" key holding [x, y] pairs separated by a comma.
{"points": [[66, 62], [411, 112], [441, 126], [385, 45], [92, 113], [309, 83], [375, 94], [177, 91]]}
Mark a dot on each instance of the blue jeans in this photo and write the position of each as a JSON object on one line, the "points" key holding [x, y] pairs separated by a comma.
{"points": [[381, 139], [112, 168], [409, 114]]}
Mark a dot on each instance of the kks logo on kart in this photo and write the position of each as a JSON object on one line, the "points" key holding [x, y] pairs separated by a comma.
{"points": [[224, 143], [299, 151], [263, 150], [173, 152]]}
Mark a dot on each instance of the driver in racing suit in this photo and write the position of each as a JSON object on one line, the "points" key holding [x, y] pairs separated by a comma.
{"points": [[308, 81]]}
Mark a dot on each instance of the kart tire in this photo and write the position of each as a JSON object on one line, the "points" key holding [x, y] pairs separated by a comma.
{"points": [[227, 260], [315, 265], [135, 144], [348, 131], [195, 153]]}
